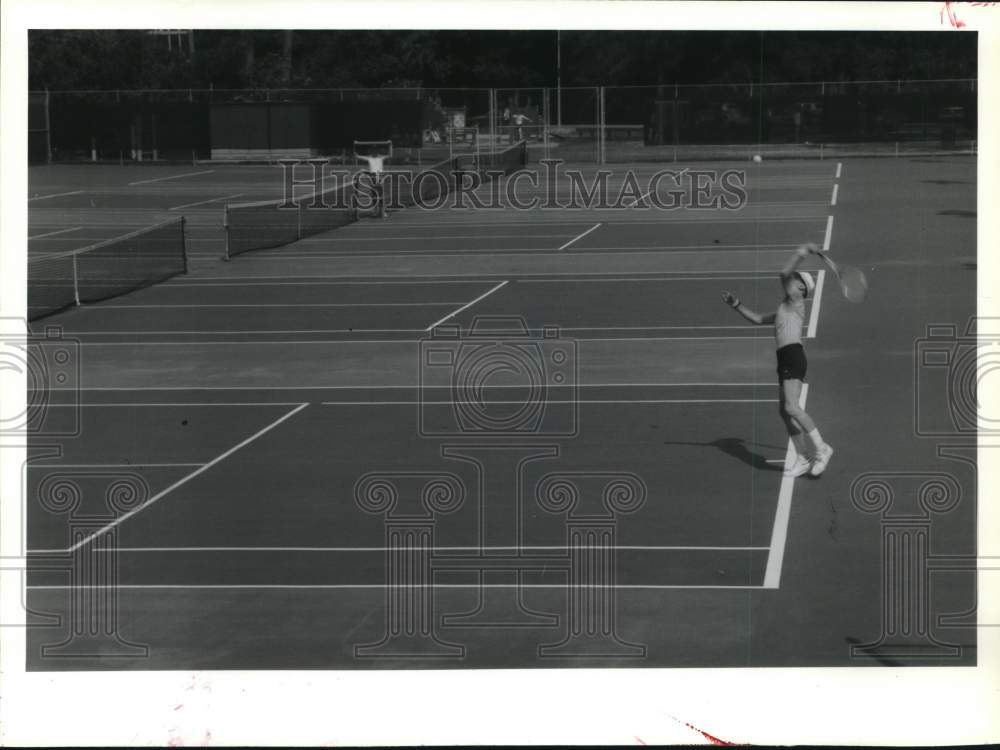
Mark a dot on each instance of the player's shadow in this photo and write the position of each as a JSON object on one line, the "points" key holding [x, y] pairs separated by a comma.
{"points": [[737, 448]]}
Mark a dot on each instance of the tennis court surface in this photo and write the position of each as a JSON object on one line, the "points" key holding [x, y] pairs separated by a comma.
{"points": [[492, 437]]}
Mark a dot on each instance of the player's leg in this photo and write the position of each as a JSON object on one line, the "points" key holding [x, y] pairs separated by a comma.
{"points": [[791, 391], [803, 458], [794, 431]]}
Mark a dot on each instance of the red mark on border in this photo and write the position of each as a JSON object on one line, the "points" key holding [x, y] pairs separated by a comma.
{"points": [[638, 739], [948, 11], [710, 737]]}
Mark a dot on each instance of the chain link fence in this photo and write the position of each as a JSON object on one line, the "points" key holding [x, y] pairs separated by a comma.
{"points": [[593, 124]]}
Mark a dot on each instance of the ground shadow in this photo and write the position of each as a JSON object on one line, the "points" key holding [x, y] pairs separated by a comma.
{"points": [[737, 448]]}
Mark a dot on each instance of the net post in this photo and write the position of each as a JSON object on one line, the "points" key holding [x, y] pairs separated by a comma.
{"points": [[184, 251]]}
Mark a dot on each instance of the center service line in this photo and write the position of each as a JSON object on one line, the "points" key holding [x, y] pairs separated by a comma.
{"points": [[817, 299], [580, 236], [829, 232], [467, 305]]}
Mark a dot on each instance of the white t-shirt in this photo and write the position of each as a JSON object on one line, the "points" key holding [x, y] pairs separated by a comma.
{"points": [[374, 163]]}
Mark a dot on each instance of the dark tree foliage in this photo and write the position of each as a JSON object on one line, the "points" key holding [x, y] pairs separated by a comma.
{"points": [[105, 59]]}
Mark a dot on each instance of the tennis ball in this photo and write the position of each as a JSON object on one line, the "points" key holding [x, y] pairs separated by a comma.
{"points": [[756, 158]]}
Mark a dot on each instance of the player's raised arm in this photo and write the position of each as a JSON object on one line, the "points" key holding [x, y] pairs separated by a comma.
{"points": [[797, 257], [754, 317]]}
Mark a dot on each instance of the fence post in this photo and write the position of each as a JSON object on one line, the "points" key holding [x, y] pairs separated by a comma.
{"points": [[184, 251], [546, 105], [601, 124], [48, 130], [493, 118], [225, 226]]}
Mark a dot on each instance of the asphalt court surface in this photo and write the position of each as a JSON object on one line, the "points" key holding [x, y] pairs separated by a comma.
{"points": [[247, 399]]}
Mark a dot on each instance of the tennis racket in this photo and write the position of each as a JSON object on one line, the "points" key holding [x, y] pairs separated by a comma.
{"points": [[853, 283]]}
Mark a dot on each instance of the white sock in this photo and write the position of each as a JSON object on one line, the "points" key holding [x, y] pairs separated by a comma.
{"points": [[799, 441], [817, 439]]}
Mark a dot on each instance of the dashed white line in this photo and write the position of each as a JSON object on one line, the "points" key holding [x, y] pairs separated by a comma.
{"points": [[817, 300], [833, 198], [829, 231], [839, 164]]}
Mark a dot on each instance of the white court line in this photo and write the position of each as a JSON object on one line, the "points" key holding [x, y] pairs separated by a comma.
{"points": [[467, 305], [375, 387], [254, 586], [60, 231], [137, 465], [53, 195], [779, 534], [302, 342], [186, 479], [829, 231], [817, 300], [171, 177], [839, 164], [580, 236], [747, 276], [453, 402], [202, 203], [201, 403], [435, 278], [428, 238], [833, 199], [508, 251], [294, 304], [555, 547]]}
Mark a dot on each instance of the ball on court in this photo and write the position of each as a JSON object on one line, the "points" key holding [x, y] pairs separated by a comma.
{"points": [[756, 158]]}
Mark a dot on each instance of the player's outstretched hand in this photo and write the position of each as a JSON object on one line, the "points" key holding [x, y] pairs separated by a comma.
{"points": [[810, 248], [730, 299]]}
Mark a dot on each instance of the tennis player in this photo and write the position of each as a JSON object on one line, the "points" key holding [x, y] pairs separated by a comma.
{"points": [[377, 169], [812, 454]]}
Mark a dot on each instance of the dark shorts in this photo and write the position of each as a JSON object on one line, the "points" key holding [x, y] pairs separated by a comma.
{"points": [[791, 363]]}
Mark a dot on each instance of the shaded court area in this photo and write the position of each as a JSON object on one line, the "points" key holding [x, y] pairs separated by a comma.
{"points": [[496, 438]]}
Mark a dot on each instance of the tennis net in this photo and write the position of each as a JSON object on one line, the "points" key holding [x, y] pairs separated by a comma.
{"points": [[509, 159], [267, 224], [270, 224], [107, 269]]}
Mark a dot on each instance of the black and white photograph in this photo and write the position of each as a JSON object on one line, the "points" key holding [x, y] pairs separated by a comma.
{"points": [[623, 355]]}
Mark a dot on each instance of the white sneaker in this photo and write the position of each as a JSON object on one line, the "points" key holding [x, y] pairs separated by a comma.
{"points": [[819, 463], [801, 466]]}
